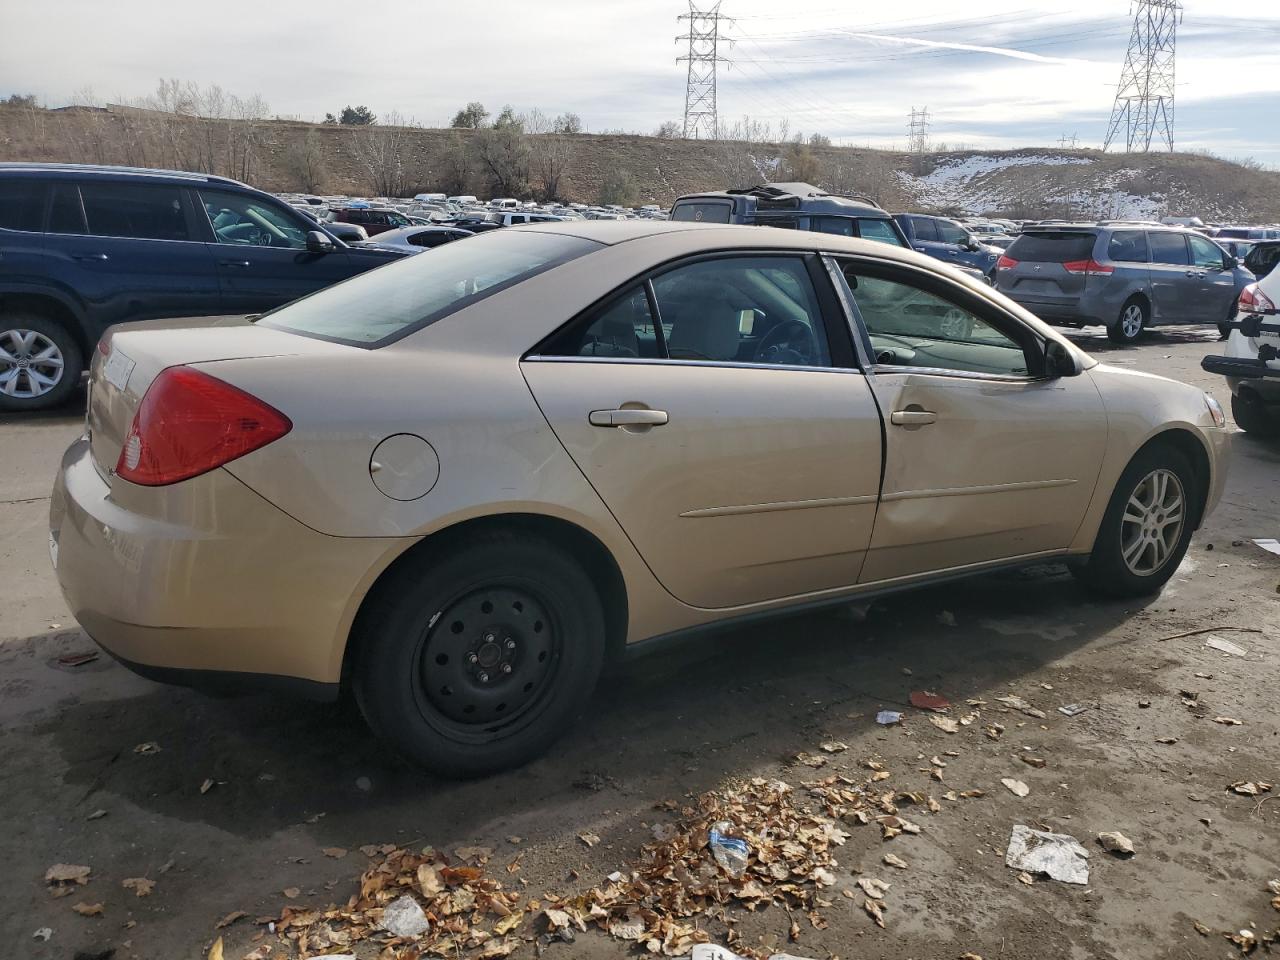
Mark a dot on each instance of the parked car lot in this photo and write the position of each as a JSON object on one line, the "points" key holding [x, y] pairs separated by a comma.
{"points": [[1125, 277], [473, 601], [84, 247]]}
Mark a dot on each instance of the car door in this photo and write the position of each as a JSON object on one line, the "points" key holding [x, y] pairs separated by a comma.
{"points": [[953, 241], [924, 236], [723, 422], [128, 251], [260, 251], [1213, 296], [1172, 277], [985, 460]]}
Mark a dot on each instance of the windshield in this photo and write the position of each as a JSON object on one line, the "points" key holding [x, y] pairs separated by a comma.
{"points": [[383, 305]]}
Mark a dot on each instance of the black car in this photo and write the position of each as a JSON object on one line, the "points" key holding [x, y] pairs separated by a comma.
{"points": [[795, 206], [84, 247]]}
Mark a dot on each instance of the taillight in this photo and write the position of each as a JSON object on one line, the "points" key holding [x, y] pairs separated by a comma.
{"points": [[1253, 300], [1006, 263], [190, 423], [1089, 268]]}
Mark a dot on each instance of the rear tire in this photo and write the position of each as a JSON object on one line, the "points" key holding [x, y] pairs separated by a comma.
{"points": [[476, 660], [1133, 319], [1138, 548], [1254, 417], [40, 362]]}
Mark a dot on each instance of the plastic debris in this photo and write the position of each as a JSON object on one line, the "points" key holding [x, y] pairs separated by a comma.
{"points": [[1057, 855], [1115, 842], [730, 852], [887, 718], [1226, 646], [945, 724], [1268, 544], [711, 951], [924, 700], [1016, 787], [43, 934], [77, 659], [403, 917], [1074, 709], [834, 746]]}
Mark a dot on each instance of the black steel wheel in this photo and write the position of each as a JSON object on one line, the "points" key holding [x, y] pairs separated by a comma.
{"points": [[475, 659]]}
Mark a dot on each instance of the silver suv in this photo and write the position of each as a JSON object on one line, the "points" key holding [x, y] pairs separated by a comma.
{"points": [[1126, 277]]}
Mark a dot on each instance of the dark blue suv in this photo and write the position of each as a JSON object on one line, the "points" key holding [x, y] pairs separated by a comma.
{"points": [[948, 241], [83, 247]]}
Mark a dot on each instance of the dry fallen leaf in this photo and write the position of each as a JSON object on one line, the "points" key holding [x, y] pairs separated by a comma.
{"points": [[149, 747], [207, 785], [1037, 762], [834, 746], [1201, 928], [1016, 787], [875, 910], [429, 881], [261, 952], [945, 724], [230, 918], [291, 892], [141, 886], [1229, 721], [590, 839], [88, 909], [895, 861], [215, 952], [1251, 788], [873, 888], [1026, 878], [67, 873], [336, 853]]}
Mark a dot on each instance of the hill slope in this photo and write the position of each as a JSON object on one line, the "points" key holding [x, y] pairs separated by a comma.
{"points": [[285, 155]]}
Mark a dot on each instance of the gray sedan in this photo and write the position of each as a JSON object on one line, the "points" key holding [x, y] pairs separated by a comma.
{"points": [[417, 239]]}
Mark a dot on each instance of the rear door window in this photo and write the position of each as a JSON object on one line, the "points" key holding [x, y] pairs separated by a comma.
{"points": [[139, 211], [879, 230], [924, 228], [1128, 246], [1169, 248], [21, 204], [1052, 247]]}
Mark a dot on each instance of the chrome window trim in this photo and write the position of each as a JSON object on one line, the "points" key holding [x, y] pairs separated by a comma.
{"points": [[957, 374], [659, 361]]}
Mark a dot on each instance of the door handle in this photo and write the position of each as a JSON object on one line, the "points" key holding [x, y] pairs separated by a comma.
{"points": [[233, 263], [912, 418], [628, 418], [91, 256], [1195, 274], [920, 248]]}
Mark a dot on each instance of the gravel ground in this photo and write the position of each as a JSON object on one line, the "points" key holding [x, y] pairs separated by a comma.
{"points": [[293, 778]]}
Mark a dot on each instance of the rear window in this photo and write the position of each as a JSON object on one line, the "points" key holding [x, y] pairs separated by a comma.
{"points": [[383, 305], [136, 211], [21, 204], [707, 212], [1052, 247]]}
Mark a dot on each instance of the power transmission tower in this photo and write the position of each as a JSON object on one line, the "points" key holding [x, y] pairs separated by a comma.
{"points": [[1144, 100], [700, 118], [918, 136], [1068, 143]]}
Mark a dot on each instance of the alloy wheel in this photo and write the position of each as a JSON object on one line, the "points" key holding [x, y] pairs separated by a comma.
{"points": [[1152, 522], [31, 364], [1131, 321]]}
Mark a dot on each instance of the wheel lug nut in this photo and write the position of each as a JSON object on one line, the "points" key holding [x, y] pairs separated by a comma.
{"points": [[483, 677], [472, 658], [488, 638], [510, 644], [506, 668]]}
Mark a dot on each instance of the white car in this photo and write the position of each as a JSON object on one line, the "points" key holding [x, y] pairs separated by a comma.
{"points": [[416, 239], [1252, 361]]}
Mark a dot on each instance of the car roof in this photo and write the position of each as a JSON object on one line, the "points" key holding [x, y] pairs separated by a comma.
{"points": [[808, 199], [106, 170]]}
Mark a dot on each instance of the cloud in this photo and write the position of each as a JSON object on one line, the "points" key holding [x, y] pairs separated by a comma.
{"points": [[969, 47]]}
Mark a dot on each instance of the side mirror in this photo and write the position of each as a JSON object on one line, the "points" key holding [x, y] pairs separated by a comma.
{"points": [[1230, 263], [1060, 362], [318, 242], [972, 245]]}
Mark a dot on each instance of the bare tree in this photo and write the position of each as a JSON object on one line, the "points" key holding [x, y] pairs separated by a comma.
{"points": [[304, 160], [383, 153], [550, 153], [668, 130], [502, 154], [456, 166]]}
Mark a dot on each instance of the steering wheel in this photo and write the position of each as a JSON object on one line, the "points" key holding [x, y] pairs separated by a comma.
{"points": [[263, 239], [791, 342]]}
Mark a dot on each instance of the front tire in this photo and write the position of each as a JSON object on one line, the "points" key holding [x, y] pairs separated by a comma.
{"points": [[1133, 319], [1147, 527], [476, 660], [40, 362], [1254, 417]]}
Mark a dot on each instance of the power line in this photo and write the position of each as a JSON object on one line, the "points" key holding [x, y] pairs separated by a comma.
{"points": [[700, 116], [1143, 108]]}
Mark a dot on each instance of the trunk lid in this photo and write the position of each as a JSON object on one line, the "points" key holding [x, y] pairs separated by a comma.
{"points": [[1039, 276], [130, 356]]}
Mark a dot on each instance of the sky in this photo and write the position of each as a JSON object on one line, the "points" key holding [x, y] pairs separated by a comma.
{"points": [[1004, 73]]}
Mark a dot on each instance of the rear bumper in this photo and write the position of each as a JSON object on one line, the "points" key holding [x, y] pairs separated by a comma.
{"points": [[209, 580], [1068, 310]]}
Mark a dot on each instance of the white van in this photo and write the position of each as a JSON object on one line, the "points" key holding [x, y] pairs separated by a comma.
{"points": [[429, 197], [505, 203]]}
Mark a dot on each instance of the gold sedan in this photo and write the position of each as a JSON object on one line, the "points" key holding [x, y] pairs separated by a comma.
{"points": [[461, 483]]}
